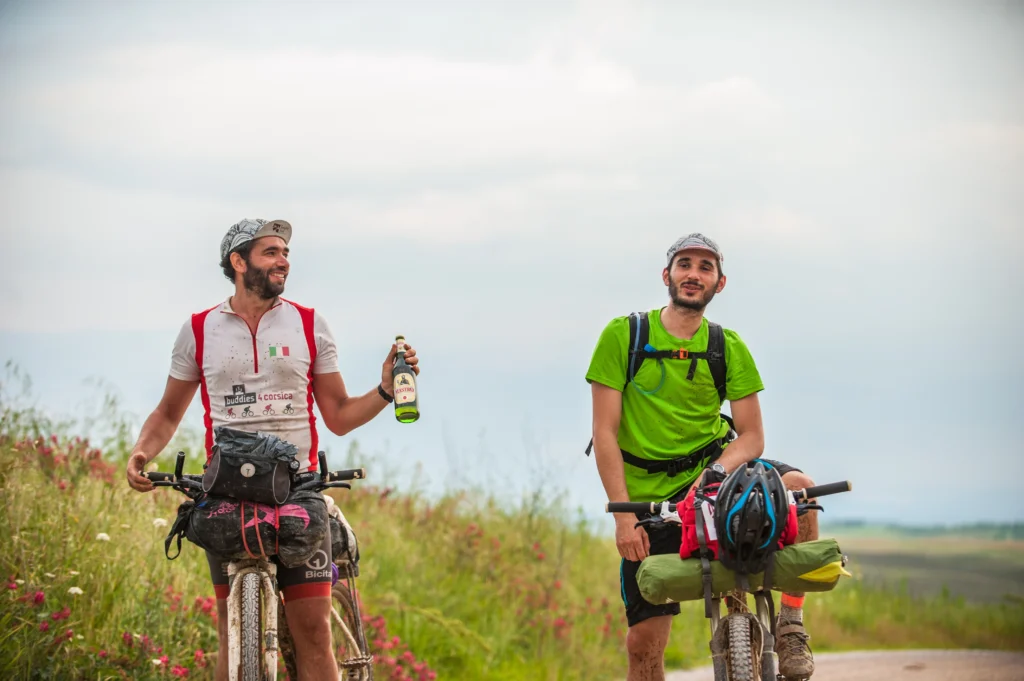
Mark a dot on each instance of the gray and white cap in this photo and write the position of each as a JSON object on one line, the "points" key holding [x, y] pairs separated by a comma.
{"points": [[695, 240], [250, 229]]}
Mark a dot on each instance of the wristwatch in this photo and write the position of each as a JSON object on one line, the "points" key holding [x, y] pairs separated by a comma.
{"points": [[715, 473]]}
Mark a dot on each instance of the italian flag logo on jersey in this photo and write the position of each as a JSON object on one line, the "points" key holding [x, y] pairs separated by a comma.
{"points": [[279, 351]]}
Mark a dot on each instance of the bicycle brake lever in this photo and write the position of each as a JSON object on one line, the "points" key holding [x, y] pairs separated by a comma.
{"points": [[802, 509], [656, 520], [337, 484]]}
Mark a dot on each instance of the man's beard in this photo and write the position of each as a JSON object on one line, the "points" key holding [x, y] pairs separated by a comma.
{"points": [[678, 300], [258, 281]]}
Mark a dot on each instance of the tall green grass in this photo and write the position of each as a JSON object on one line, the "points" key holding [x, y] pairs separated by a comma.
{"points": [[461, 586]]}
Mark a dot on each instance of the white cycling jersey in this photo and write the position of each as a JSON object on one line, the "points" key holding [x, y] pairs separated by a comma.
{"points": [[257, 379]]}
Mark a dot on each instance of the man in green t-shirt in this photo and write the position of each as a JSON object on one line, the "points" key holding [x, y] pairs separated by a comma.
{"points": [[669, 411]]}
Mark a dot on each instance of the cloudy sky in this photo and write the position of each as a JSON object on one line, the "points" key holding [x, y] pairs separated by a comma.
{"points": [[498, 180]]}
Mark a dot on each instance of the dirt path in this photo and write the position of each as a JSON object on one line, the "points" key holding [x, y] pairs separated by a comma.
{"points": [[903, 665]]}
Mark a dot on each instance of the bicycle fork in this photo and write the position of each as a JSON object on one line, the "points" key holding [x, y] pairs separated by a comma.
{"points": [[267, 573], [762, 644]]}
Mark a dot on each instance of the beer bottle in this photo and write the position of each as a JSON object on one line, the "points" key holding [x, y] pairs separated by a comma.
{"points": [[404, 379]]}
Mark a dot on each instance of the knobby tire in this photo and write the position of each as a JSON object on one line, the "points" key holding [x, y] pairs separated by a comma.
{"points": [[741, 661]]}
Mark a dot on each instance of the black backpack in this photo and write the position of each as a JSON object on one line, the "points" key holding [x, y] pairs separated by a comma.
{"points": [[639, 337]]}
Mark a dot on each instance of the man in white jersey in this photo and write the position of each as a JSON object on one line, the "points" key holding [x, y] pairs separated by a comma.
{"points": [[260, 362]]}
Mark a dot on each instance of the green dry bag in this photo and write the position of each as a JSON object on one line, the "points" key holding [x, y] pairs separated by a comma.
{"points": [[810, 566]]}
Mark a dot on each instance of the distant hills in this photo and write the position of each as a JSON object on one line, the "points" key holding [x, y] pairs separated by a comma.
{"points": [[995, 531]]}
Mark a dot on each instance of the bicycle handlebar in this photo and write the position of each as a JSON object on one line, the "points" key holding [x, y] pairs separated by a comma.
{"points": [[184, 483], [349, 474], [654, 507], [822, 490]]}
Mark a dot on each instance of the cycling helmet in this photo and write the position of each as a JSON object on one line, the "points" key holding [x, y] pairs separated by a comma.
{"points": [[751, 511]]}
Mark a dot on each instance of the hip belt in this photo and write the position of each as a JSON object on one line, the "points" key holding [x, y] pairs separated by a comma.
{"points": [[673, 467]]}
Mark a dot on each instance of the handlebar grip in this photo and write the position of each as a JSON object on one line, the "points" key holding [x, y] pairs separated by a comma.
{"points": [[632, 507], [826, 489], [157, 476], [350, 474]]}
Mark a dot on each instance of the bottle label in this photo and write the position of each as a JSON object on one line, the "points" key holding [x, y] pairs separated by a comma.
{"points": [[405, 389]]}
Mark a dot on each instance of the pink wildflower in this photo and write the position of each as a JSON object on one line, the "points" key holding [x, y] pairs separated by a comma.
{"points": [[44, 626], [180, 671], [38, 598]]}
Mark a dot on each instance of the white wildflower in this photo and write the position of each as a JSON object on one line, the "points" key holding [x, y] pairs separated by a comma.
{"points": [[102, 536], [75, 591], [72, 572], [19, 582], [159, 522], [80, 637], [50, 575], [125, 526], [157, 662]]}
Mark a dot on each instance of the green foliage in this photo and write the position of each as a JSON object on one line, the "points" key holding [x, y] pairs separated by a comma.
{"points": [[471, 587]]}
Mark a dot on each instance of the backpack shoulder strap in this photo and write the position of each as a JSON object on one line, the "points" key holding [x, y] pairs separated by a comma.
{"points": [[639, 336], [716, 357]]}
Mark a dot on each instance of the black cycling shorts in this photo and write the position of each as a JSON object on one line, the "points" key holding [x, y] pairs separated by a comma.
{"points": [[305, 581], [666, 539]]}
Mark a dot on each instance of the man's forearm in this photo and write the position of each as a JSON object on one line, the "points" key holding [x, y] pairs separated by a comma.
{"points": [[746, 447], [609, 466], [156, 432], [357, 411]]}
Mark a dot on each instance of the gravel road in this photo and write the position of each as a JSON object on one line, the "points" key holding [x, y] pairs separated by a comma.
{"points": [[903, 665]]}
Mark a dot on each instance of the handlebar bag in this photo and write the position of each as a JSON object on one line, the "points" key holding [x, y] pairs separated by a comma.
{"points": [[690, 545], [344, 548], [250, 467], [232, 529]]}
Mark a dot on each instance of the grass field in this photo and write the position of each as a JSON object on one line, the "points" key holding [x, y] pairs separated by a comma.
{"points": [[456, 587], [979, 570]]}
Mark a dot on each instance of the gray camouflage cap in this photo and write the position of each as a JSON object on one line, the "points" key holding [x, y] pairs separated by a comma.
{"points": [[250, 229], [695, 240]]}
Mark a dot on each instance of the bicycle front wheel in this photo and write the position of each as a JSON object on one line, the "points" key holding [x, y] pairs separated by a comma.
{"points": [[251, 625], [742, 664]]}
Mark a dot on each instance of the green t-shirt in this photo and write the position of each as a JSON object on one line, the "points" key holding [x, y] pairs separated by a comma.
{"points": [[680, 417]]}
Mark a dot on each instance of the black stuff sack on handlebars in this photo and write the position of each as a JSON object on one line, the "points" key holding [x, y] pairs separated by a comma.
{"points": [[232, 529], [250, 467]]}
